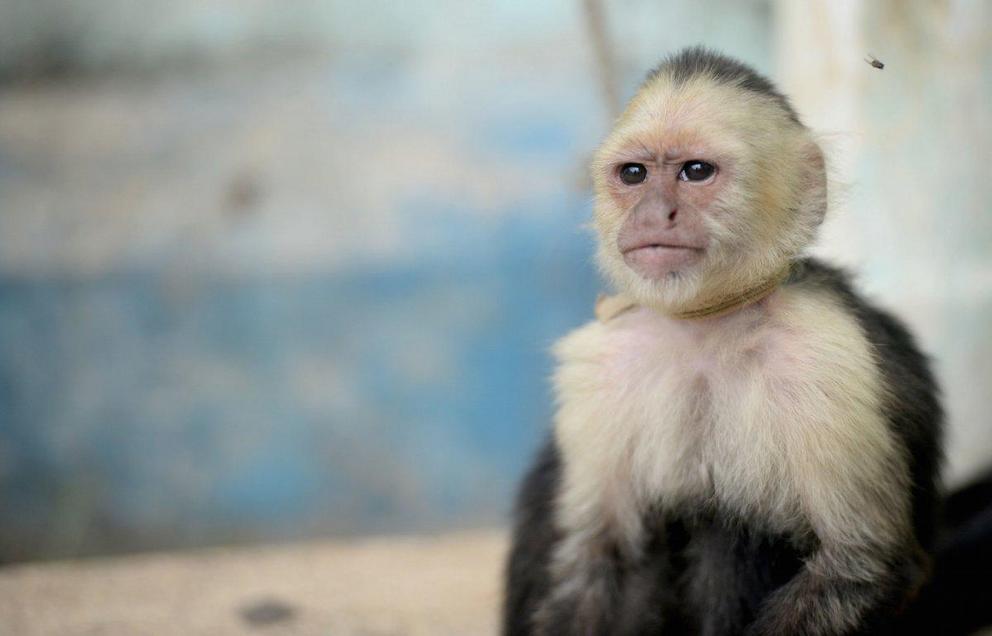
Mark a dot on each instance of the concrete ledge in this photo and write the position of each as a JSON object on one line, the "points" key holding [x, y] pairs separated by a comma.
{"points": [[418, 585]]}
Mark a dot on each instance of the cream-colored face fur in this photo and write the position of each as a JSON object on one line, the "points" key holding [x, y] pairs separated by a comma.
{"points": [[758, 211]]}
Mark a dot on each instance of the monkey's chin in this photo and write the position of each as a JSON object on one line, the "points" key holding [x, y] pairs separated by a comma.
{"points": [[656, 262]]}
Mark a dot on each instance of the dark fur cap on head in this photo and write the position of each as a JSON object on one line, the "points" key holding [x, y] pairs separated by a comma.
{"points": [[698, 60]]}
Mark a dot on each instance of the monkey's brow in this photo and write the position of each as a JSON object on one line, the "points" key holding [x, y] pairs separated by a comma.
{"points": [[633, 149], [645, 154]]}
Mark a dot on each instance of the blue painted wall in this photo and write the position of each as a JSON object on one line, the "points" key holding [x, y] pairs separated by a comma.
{"points": [[266, 296], [286, 406]]}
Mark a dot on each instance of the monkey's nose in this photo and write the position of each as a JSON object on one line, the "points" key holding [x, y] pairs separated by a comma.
{"points": [[671, 215]]}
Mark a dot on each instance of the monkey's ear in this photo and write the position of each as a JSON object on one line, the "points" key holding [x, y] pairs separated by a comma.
{"points": [[814, 186]]}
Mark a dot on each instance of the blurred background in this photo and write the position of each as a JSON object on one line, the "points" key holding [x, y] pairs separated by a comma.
{"points": [[274, 271]]}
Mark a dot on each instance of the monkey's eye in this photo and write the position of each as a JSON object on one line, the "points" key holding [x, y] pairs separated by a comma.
{"points": [[696, 170], [633, 173]]}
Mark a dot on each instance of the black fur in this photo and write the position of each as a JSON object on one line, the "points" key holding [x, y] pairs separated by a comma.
{"points": [[707, 573], [698, 60], [958, 598], [528, 580]]}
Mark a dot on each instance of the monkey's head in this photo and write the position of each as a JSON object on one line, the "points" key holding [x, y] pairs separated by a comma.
{"points": [[707, 186]]}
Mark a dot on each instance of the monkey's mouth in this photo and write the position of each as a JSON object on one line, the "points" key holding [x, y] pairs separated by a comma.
{"points": [[665, 246], [655, 260]]}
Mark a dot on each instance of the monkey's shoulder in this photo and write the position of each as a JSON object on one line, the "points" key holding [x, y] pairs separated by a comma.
{"points": [[894, 346]]}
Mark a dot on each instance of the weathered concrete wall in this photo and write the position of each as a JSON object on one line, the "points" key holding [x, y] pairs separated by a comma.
{"points": [[911, 148]]}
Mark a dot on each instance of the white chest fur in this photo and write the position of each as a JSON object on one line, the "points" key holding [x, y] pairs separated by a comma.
{"points": [[774, 412]]}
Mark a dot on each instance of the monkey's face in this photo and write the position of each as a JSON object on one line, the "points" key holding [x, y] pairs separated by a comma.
{"points": [[703, 190]]}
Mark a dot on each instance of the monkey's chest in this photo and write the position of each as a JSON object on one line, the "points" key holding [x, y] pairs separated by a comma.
{"points": [[646, 422]]}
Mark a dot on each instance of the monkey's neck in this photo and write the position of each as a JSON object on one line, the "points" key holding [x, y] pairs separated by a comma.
{"points": [[608, 307], [728, 303]]}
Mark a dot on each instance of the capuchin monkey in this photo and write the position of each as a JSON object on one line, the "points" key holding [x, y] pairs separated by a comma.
{"points": [[742, 444]]}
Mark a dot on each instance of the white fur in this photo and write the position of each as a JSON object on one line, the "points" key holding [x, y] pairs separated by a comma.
{"points": [[773, 413]]}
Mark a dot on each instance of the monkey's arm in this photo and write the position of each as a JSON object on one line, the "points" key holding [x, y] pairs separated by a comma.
{"points": [[842, 590], [867, 559]]}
